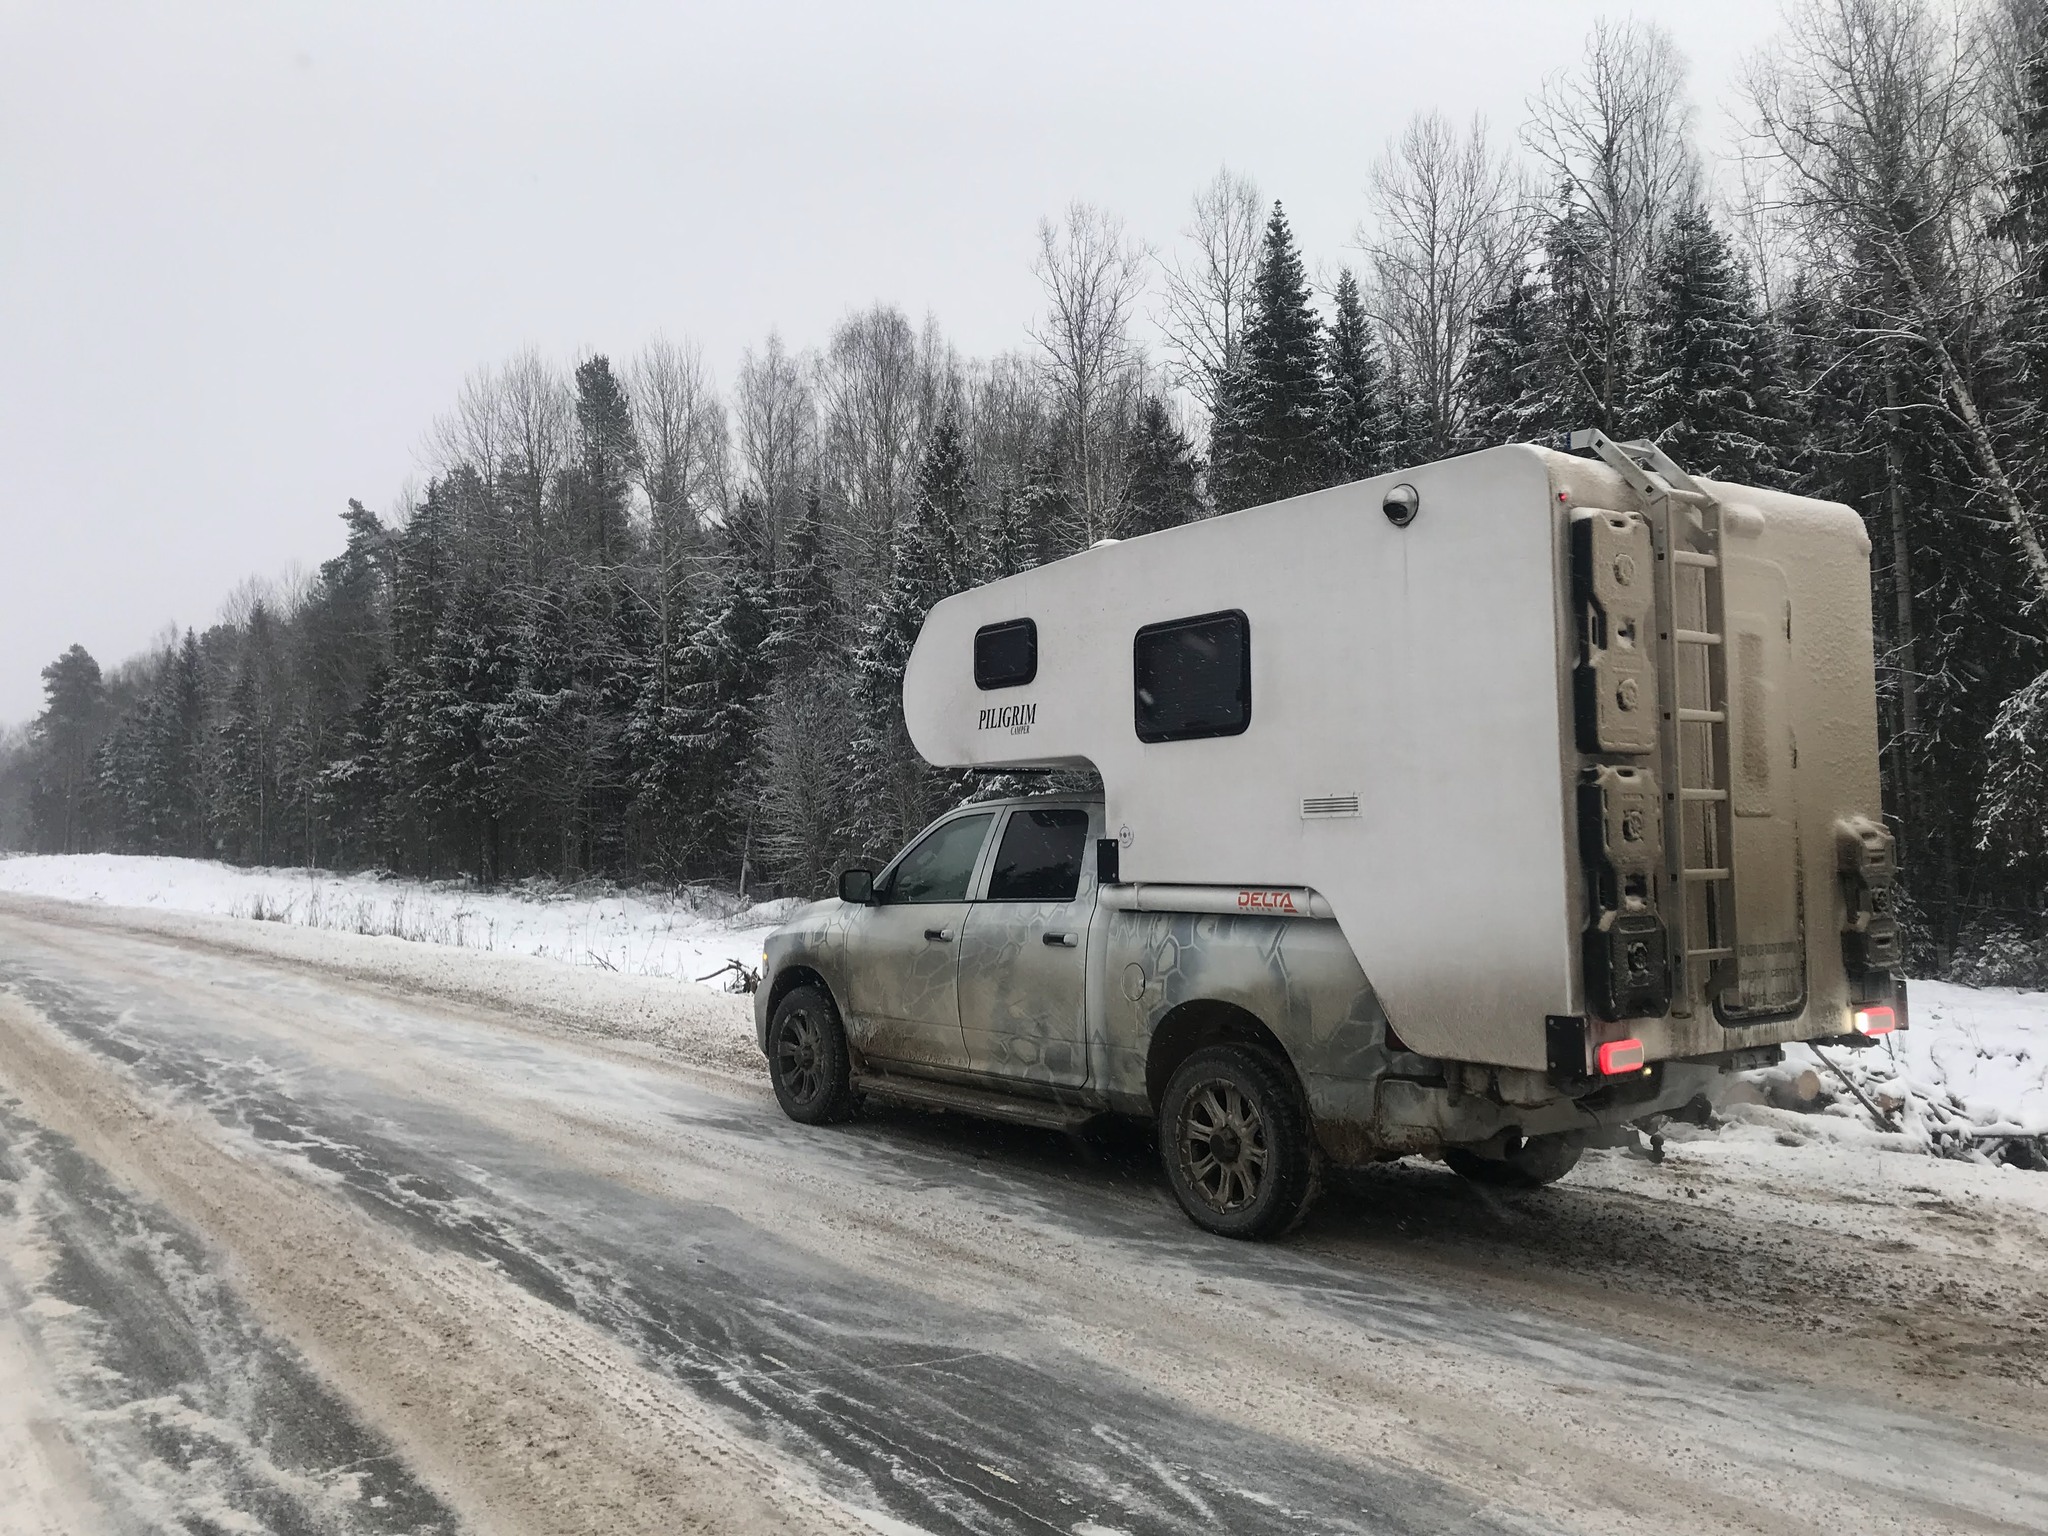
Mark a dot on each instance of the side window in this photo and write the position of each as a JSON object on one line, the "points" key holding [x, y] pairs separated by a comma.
{"points": [[938, 867], [1006, 655], [1193, 677], [1039, 858]]}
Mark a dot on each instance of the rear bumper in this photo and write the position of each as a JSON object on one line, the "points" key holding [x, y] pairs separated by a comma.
{"points": [[1366, 1122]]}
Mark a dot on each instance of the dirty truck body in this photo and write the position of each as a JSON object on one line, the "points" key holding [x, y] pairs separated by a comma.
{"points": [[1501, 800]]}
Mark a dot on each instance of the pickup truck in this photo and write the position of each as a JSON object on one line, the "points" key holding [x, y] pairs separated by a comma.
{"points": [[988, 970], [1475, 811]]}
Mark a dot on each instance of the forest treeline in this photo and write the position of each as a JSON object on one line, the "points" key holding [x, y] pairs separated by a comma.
{"points": [[641, 627]]}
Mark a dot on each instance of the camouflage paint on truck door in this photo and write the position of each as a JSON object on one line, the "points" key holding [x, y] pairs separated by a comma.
{"points": [[902, 1000], [1024, 955]]}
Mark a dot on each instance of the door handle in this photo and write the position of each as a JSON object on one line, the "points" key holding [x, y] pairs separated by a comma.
{"points": [[1061, 940], [939, 935]]}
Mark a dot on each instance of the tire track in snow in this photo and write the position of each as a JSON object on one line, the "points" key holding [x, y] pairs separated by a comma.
{"points": [[188, 1416], [898, 1400]]}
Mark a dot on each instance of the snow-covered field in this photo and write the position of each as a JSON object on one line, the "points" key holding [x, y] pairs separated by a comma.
{"points": [[688, 934], [1971, 1072]]}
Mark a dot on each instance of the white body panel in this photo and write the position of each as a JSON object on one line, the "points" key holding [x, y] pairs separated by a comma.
{"points": [[1417, 668]]}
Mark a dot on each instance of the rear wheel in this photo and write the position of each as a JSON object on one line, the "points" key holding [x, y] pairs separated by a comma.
{"points": [[1236, 1143], [1538, 1161], [807, 1058]]}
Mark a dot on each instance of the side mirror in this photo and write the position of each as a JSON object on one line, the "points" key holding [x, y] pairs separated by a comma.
{"points": [[857, 887]]}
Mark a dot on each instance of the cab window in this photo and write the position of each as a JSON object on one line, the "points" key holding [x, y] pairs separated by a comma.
{"points": [[1039, 858], [940, 864]]}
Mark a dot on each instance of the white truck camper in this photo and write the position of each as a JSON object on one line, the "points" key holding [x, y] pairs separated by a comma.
{"points": [[1475, 810]]}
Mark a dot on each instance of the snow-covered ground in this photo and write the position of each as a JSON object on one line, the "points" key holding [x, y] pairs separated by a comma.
{"points": [[688, 934], [1971, 1071]]}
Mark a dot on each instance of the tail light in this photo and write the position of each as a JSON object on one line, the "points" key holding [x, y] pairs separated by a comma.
{"points": [[1618, 1056], [1875, 1021]]}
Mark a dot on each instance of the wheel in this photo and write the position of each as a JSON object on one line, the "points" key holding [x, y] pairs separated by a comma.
{"points": [[807, 1058], [1538, 1161], [1236, 1143]]}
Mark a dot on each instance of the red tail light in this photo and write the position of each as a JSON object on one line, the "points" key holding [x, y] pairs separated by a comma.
{"points": [[1875, 1021], [1618, 1056]]}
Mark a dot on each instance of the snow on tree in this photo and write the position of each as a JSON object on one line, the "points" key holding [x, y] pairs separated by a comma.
{"points": [[1270, 439]]}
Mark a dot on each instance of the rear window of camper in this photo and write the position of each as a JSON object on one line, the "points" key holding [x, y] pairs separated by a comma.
{"points": [[1005, 655], [1193, 677]]}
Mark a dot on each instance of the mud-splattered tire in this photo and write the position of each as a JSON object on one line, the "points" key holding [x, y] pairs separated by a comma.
{"points": [[1538, 1161], [807, 1058], [1236, 1143]]}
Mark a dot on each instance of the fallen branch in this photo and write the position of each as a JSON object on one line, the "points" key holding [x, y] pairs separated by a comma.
{"points": [[1884, 1121]]}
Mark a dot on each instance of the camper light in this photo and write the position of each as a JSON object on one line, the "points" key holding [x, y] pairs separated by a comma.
{"points": [[1618, 1056], [1875, 1021]]}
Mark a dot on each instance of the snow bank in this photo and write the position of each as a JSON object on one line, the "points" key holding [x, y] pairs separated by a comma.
{"points": [[1970, 1071], [689, 933]]}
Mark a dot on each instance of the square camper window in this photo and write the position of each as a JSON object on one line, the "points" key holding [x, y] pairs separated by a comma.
{"points": [[1193, 677], [1006, 655]]}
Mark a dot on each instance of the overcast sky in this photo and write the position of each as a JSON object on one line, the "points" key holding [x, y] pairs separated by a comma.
{"points": [[249, 250]]}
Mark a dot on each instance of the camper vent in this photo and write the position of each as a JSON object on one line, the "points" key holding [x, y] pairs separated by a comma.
{"points": [[1328, 807]]}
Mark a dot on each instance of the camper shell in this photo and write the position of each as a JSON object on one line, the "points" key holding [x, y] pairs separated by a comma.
{"points": [[1474, 810], [1501, 709]]}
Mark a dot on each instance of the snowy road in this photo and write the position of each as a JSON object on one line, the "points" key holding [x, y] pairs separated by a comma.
{"points": [[301, 1231]]}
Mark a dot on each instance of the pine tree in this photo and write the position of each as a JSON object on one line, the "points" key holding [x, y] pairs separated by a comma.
{"points": [[1699, 347], [1270, 439], [66, 735], [698, 762], [895, 793], [1358, 389], [1585, 365], [1504, 367], [1164, 488], [806, 609], [597, 492], [172, 757]]}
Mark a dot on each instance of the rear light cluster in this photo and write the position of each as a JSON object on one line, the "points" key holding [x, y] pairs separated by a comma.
{"points": [[1875, 1021], [1619, 1056]]}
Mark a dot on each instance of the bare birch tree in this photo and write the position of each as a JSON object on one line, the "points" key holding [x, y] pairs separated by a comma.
{"points": [[776, 418], [1208, 286], [880, 385], [1445, 232], [1871, 114], [1612, 138], [539, 415], [679, 423], [1093, 273]]}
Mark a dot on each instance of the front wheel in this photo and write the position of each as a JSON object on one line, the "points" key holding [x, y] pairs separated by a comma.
{"points": [[1538, 1161], [1236, 1143], [807, 1058]]}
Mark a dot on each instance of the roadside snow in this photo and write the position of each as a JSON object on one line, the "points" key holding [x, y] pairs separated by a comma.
{"points": [[689, 934], [1970, 1071]]}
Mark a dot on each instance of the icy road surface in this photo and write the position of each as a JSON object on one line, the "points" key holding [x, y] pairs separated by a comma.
{"points": [[310, 1232]]}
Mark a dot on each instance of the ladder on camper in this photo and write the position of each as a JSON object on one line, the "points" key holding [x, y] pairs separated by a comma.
{"points": [[1692, 676]]}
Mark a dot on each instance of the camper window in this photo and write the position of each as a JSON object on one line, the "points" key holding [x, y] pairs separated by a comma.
{"points": [[1039, 858], [939, 866], [1193, 677], [1005, 655]]}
